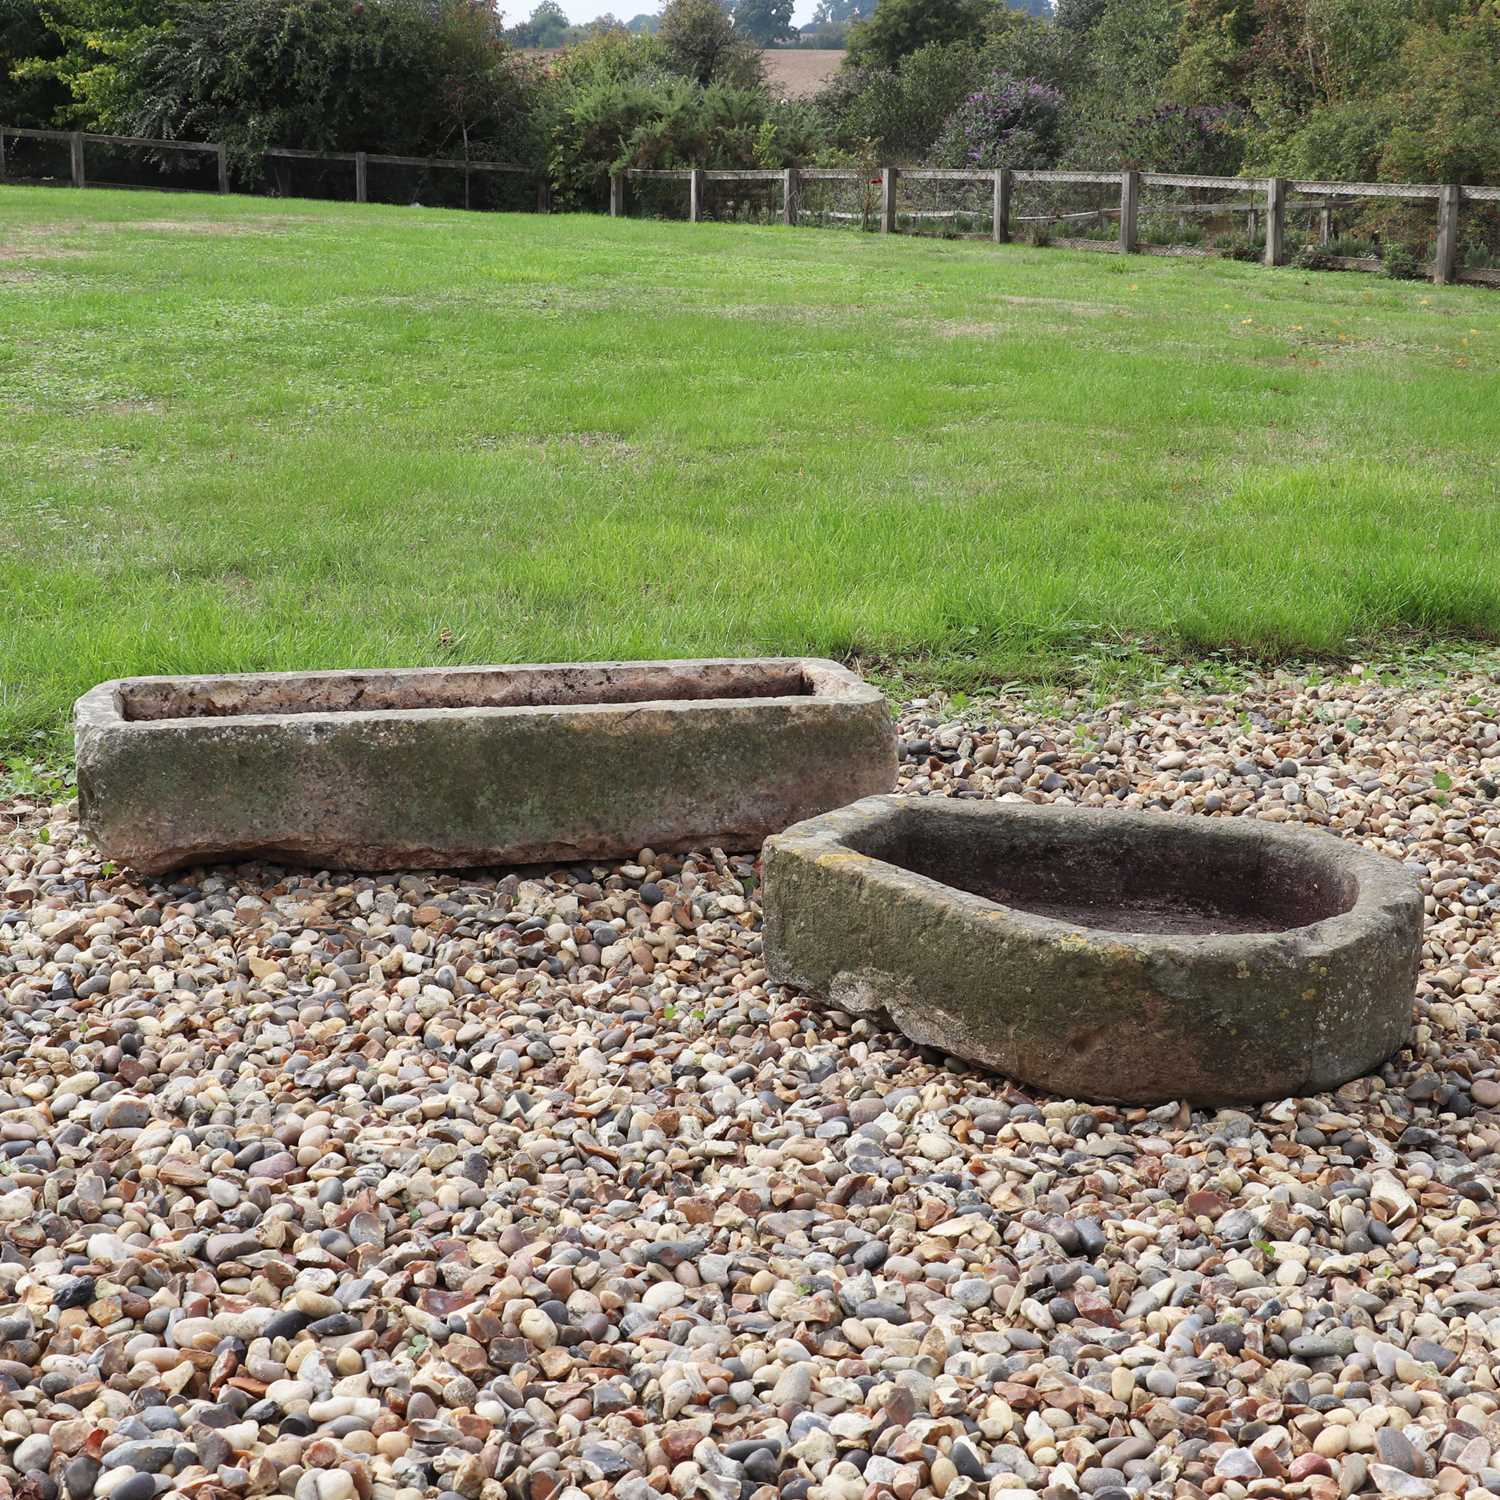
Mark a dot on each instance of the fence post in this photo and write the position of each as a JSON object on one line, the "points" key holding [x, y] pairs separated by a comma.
{"points": [[617, 195], [223, 156], [1130, 199], [1000, 230], [887, 200], [1445, 260], [543, 196], [1325, 223], [361, 177], [695, 195], [75, 148], [1275, 220], [791, 186], [2, 151]]}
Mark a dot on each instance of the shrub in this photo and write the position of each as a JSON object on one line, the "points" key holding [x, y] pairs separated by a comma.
{"points": [[1009, 122], [1183, 138], [1400, 263], [402, 77], [902, 110], [1240, 246]]}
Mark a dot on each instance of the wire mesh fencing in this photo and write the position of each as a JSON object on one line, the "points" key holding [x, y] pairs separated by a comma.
{"points": [[1077, 210], [838, 198], [82, 159], [1363, 226], [750, 197], [481, 187], [43, 157], [174, 167], [946, 204], [1478, 249], [1184, 214], [654, 195]]}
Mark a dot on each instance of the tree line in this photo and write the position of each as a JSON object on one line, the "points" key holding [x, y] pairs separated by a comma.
{"points": [[1345, 89]]}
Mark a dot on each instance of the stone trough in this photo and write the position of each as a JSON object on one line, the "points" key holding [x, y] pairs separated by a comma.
{"points": [[458, 766], [1102, 955]]}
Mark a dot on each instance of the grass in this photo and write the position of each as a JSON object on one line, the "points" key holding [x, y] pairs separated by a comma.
{"points": [[248, 435]]}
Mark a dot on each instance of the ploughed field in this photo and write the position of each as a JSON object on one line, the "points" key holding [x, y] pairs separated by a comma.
{"points": [[245, 434]]}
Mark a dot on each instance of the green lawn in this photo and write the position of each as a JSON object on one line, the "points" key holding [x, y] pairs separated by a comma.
{"points": [[240, 434]]}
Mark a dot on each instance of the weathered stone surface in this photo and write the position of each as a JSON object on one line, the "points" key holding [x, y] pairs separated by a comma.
{"points": [[1102, 955], [473, 766]]}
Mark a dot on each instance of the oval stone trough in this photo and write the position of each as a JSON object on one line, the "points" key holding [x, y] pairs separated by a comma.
{"points": [[1112, 956]]}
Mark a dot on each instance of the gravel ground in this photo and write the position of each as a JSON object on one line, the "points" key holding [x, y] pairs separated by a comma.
{"points": [[531, 1187]]}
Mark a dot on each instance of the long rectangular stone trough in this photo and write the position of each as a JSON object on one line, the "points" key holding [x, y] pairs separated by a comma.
{"points": [[461, 766]]}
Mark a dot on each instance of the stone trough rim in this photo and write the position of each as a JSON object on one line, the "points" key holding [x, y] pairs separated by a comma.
{"points": [[1369, 869], [101, 706]]}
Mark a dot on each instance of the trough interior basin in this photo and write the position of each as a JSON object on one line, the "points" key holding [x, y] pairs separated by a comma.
{"points": [[476, 687], [1146, 885]]}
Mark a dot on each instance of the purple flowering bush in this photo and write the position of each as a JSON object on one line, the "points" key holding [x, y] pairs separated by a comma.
{"points": [[1193, 138], [1007, 122]]}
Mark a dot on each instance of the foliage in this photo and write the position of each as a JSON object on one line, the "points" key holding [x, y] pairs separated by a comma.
{"points": [[547, 27], [903, 109], [622, 100], [1444, 122], [87, 43], [1337, 89], [900, 27], [1181, 138], [763, 21], [790, 135], [34, 96], [704, 44], [1007, 122], [1117, 88], [1400, 263], [402, 76]]}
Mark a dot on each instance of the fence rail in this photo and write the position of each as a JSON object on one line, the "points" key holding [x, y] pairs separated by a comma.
{"points": [[1269, 208], [80, 140], [1267, 203]]}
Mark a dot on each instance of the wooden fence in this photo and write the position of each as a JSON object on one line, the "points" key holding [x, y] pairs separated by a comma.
{"points": [[358, 161], [1269, 207], [1269, 204]]}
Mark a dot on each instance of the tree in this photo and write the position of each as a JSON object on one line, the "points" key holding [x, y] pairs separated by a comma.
{"points": [[481, 92], [764, 21], [643, 23], [899, 27], [1132, 46], [703, 44], [547, 27], [81, 60], [32, 95], [841, 12], [408, 77], [1446, 128]]}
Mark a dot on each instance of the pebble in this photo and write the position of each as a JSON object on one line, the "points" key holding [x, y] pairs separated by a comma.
{"points": [[531, 1183]]}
